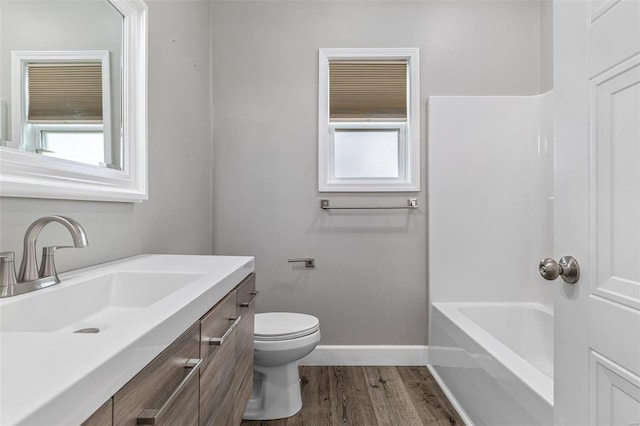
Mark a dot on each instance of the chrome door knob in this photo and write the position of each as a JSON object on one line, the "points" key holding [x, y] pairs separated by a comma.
{"points": [[567, 268], [549, 269]]}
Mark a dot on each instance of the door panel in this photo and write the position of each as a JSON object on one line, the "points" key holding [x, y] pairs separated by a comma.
{"points": [[613, 35], [597, 211], [615, 394], [615, 112], [614, 332]]}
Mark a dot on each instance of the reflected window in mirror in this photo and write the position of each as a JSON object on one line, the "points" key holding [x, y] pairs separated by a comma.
{"points": [[46, 28], [65, 105]]}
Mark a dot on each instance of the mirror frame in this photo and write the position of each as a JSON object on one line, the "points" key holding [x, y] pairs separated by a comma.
{"points": [[26, 174]]}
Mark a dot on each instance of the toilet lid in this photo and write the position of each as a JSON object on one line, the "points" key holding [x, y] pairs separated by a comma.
{"points": [[284, 326]]}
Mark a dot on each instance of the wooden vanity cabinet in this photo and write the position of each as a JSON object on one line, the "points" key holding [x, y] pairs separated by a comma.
{"points": [[218, 350], [204, 377], [243, 375], [103, 416], [165, 392], [225, 381]]}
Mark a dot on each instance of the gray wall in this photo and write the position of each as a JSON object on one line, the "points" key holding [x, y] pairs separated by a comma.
{"points": [[177, 217], [370, 285], [546, 45]]}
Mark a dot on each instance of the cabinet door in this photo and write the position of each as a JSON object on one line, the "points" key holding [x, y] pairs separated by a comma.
{"points": [[214, 325], [165, 392], [246, 295], [243, 378], [218, 350]]}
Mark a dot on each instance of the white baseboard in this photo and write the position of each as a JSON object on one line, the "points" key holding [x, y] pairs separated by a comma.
{"points": [[452, 399], [396, 355]]}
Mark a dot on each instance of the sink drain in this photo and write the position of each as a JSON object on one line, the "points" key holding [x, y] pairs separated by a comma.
{"points": [[88, 330]]}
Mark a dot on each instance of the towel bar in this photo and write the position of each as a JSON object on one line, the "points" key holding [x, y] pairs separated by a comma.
{"points": [[412, 203]]}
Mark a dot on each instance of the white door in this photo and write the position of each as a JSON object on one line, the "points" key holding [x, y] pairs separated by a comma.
{"points": [[597, 211]]}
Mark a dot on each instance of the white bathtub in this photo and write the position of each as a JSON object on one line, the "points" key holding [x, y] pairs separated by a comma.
{"points": [[496, 359]]}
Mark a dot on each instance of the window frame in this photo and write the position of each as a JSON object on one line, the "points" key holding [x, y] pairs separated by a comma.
{"points": [[400, 126], [20, 60], [409, 145]]}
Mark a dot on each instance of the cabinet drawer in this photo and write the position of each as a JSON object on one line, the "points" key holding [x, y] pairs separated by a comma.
{"points": [[103, 416], [243, 394], [218, 349], [244, 349], [182, 410], [246, 290], [243, 380], [223, 415], [165, 388], [246, 296], [216, 384], [215, 324]]}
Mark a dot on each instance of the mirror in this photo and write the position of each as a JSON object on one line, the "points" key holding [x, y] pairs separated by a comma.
{"points": [[73, 99], [61, 66]]}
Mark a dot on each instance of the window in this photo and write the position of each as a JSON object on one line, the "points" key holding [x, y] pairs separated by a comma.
{"points": [[64, 110], [368, 120], [83, 143], [63, 104]]}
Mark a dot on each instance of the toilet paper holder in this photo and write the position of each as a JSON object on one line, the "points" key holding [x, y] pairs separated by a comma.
{"points": [[309, 262]]}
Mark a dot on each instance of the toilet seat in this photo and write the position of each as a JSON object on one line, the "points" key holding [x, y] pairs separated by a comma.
{"points": [[275, 326]]}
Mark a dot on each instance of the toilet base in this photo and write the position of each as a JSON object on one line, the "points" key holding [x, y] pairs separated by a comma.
{"points": [[276, 393]]}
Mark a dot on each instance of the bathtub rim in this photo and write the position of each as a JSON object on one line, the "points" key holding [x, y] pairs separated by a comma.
{"points": [[526, 372]]}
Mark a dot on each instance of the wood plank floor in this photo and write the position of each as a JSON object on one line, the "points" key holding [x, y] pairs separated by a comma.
{"points": [[369, 396]]}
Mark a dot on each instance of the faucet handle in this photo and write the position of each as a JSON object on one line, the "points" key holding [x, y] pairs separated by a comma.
{"points": [[7, 256], [7, 269], [48, 264]]}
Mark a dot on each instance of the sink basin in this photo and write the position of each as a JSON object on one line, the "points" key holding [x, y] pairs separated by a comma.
{"points": [[96, 303]]}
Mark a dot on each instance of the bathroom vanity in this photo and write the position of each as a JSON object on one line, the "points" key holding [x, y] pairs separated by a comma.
{"points": [[174, 341]]}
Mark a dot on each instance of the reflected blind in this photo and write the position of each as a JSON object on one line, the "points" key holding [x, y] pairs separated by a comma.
{"points": [[64, 92], [368, 91]]}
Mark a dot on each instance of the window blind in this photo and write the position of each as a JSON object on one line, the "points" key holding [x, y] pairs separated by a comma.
{"points": [[368, 91], [64, 92]]}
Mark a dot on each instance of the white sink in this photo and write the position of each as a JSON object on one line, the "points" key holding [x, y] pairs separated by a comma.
{"points": [[92, 305], [139, 305]]}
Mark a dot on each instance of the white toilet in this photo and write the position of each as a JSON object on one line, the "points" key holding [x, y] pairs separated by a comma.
{"points": [[280, 340]]}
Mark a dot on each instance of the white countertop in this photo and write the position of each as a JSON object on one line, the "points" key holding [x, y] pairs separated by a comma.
{"points": [[60, 378]]}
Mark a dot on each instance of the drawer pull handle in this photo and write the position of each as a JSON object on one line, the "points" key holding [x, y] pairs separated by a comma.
{"points": [[219, 341], [152, 416], [254, 294]]}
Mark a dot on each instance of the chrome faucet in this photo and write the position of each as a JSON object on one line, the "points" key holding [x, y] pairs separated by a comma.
{"points": [[29, 266], [29, 278]]}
